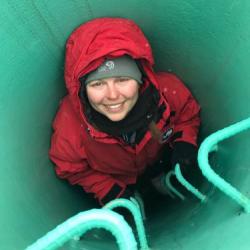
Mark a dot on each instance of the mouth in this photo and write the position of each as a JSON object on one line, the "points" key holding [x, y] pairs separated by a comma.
{"points": [[113, 108]]}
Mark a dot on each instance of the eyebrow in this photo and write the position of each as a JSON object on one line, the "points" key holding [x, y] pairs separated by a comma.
{"points": [[96, 81], [123, 77], [116, 78]]}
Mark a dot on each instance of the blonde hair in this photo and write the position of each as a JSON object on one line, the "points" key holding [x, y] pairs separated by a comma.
{"points": [[155, 132]]}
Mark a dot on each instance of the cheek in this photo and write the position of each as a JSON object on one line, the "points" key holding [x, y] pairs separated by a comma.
{"points": [[94, 97], [132, 92], [135, 93]]}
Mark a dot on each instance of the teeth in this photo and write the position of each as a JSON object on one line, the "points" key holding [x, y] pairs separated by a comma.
{"points": [[114, 106]]}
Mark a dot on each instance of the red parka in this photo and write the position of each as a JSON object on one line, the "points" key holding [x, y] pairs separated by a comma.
{"points": [[95, 160]]}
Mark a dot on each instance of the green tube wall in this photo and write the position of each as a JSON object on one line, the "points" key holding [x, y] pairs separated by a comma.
{"points": [[206, 43]]}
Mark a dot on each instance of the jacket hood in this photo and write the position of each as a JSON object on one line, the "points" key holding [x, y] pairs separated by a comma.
{"points": [[92, 42]]}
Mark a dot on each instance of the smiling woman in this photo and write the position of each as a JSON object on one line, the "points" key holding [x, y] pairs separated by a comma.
{"points": [[205, 42], [122, 126], [113, 97]]}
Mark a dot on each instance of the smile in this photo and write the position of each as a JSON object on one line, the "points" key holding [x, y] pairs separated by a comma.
{"points": [[114, 107]]}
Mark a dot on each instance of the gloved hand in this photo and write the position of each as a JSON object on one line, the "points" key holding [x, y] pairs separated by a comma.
{"points": [[117, 192], [186, 155], [130, 194], [133, 196]]}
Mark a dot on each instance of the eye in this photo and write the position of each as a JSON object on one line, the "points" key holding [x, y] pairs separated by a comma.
{"points": [[96, 84], [124, 79]]}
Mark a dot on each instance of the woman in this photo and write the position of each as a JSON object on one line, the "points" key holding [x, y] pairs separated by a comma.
{"points": [[120, 120]]}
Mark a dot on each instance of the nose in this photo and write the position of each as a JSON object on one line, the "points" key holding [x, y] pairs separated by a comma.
{"points": [[112, 91]]}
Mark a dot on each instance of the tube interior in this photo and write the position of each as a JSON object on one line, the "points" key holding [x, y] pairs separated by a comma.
{"points": [[207, 44]]}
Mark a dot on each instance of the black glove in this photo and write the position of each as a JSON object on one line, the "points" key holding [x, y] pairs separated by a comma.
{"points": [[128, 193], [117, 192], [162, 165], [186, 155]]}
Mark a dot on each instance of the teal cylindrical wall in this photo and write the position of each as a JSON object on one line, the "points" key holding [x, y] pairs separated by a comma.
{"points": [[207, 44]]}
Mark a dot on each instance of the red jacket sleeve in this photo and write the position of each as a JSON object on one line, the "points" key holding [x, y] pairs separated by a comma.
{"points": [[70, 159], [184, 108]]}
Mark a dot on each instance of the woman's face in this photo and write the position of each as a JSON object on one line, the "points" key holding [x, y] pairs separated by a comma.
{"points": [[113, 97]]}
